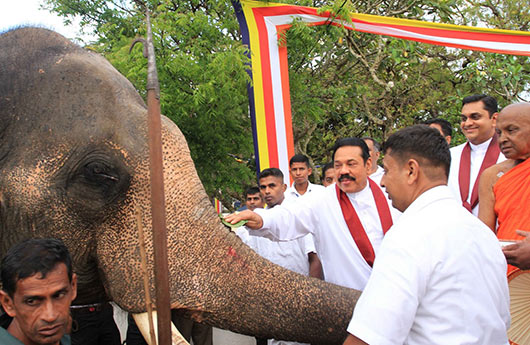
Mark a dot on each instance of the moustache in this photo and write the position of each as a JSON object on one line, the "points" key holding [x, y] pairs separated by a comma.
{"points": [[346, 177]]}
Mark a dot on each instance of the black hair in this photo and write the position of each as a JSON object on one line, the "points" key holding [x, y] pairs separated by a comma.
{"points": [[445, 125], [271, 172], [326, 167], [490, 103], [421, 142], [299, 158], [352, 142], [37, 255], [251, 191], [376, 144]]}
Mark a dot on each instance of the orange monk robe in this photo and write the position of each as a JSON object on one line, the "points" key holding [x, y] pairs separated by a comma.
{"points": [[512, 203]]}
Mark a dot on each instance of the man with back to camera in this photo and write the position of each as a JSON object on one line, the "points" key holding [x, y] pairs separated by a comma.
{"points": [[505, 187], [443, 126], [299, 169], [376, 172], [348, 221], [439, 277], [479, 114], [328, 175], [38, 287]]}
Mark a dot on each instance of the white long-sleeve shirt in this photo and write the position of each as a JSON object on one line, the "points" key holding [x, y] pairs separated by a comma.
{"points": [[320, 213], [477, 157]]}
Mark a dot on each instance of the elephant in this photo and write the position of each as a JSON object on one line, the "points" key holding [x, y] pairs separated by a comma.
{"points": [[74, 165]]}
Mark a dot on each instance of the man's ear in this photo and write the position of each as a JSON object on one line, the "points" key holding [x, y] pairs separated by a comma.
{"points": [[309, 171], [74, 286], [413, 170], [494, 118], [368, 165], [284, 187], [7, 303]]}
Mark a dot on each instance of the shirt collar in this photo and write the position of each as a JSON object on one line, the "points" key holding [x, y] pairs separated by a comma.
{"points": [[295, 192], [481, 147], [377, 172], [362, 196], [429, 196]]}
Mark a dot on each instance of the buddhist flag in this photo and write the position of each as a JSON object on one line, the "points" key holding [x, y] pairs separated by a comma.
{"points": [[218, 206], [270, 108]]}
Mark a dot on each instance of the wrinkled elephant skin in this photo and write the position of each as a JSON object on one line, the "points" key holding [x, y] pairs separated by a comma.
{"points": [[74, 165]]}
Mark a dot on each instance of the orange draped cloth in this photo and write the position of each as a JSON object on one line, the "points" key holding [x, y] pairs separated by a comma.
{"points": [[512, 203]]}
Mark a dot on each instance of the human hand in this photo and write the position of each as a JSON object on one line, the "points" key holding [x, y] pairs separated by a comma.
{"points": [[518, 254], [254, 220], [525, 234]]}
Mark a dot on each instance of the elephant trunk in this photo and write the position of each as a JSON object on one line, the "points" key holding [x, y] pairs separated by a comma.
{"points": [[250, 295], [214, 277]]}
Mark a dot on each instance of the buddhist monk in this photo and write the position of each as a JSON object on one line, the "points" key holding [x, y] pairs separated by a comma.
{"points": [[504, 190]]}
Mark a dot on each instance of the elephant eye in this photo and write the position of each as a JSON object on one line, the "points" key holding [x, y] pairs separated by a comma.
{"points": [[94, 182], [99, 172]]}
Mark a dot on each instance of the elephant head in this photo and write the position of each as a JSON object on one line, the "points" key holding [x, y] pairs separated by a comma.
{"points": [[74, 165]]}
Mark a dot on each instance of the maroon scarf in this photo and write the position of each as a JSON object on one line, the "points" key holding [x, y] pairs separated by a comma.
{"points": [[354, 223], [492, 154]]}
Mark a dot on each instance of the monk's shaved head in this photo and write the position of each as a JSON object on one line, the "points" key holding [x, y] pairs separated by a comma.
{"points": [[513, 128], [522, 108]]}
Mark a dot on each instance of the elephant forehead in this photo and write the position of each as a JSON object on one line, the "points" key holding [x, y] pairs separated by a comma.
{"points": [[31, 178], [26, 184]]}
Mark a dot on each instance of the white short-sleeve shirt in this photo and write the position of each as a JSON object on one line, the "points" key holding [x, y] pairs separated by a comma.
{"points": [[439, 278]]}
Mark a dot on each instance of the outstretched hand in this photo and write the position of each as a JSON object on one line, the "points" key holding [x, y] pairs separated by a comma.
{"points": [[518, 254], [254, 220]]}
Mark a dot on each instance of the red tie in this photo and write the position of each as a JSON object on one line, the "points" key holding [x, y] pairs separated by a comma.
{"points": [[492, 154], [354, 223]]}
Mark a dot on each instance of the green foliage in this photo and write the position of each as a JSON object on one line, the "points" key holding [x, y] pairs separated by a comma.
{"points": [[343, 83], [201, 67], [359, 84]]}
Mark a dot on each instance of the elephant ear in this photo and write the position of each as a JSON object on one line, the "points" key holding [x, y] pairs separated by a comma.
{"points": [[233, 226]]}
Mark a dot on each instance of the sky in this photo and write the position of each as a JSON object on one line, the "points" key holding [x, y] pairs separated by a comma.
{"points": [[27, 12]]}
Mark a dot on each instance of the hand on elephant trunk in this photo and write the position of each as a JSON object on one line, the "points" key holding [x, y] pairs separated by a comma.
{"points": [[254, 220]]}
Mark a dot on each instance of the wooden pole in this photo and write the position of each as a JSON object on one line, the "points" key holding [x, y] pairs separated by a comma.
{"points": [[158, 207], [145, 274]]}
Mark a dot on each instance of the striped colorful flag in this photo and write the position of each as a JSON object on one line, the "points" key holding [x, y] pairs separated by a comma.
{"points": [[261, 24], [218, 206]]}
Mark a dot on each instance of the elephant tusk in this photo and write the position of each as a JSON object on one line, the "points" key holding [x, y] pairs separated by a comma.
{"points": [[143, 324]]}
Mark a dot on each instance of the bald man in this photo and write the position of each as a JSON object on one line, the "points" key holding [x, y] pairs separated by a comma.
{"points": [[504, 190]]}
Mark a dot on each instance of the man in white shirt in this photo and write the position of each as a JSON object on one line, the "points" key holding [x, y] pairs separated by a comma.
{"points": [[440, 275], [348, 219], [479, 114], [376, 172], [298, 255], [299, 169]]}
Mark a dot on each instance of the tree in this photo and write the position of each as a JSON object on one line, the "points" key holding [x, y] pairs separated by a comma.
{"points": [[346, 83], [343, 83], [201, 65]]}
